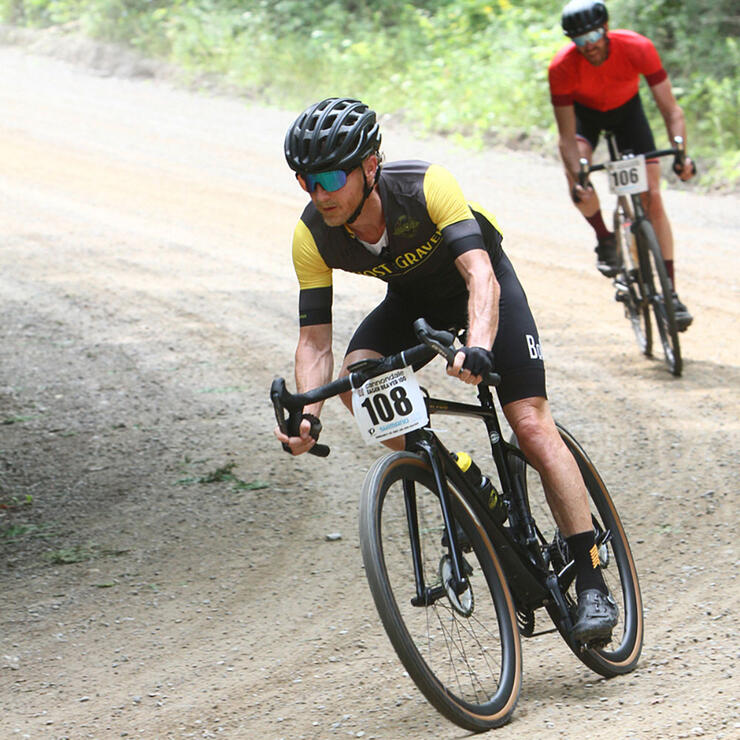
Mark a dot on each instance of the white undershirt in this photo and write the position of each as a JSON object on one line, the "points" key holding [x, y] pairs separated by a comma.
{"points": [[376, 248]]}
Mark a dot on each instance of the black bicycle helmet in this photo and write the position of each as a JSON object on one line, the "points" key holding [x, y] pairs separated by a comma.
{"points": [[335, 134], [580, 16]]}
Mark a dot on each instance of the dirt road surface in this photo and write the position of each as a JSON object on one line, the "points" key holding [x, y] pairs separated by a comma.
{"points": [[165, 570]]}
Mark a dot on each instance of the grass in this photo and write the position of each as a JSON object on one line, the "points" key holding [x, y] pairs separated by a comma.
{"points": [[15, 532], [80, 554], [224, 474]]}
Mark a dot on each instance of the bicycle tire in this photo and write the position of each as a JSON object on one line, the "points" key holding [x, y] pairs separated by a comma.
{"points": [[622, 653], [660, 296], [468, 667], [629, 288]]}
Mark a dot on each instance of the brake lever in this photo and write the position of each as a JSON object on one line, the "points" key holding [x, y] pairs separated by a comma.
{"points": [[294, 425], [277, 392], [680, 156], [441, 342]]}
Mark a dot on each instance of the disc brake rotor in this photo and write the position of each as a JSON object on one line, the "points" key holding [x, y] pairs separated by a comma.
{"points": [[463, 603]]}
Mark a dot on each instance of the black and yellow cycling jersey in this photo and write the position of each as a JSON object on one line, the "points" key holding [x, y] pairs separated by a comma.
{"points": [[429, 223]]}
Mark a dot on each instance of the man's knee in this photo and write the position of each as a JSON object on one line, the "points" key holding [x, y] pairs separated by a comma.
{"points": [[352, 357], [531, 423], [654, 205]]}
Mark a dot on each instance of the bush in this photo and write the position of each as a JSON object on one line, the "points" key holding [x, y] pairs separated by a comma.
{"points": [[476, 69]]}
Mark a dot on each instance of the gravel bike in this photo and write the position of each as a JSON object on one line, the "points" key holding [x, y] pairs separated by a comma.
{"points": [[459, 563], [642, 283]]}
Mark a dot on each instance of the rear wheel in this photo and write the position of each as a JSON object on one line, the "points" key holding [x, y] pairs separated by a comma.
{"points": [[661, 297], [461, 648], [629, 290], [621, 654]]}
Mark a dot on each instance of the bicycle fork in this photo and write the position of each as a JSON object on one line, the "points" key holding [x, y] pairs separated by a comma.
{"points": [[426, 595]]}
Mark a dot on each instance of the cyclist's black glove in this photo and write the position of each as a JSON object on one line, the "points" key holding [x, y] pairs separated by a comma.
{"points": [[315, 425], [478, 360], [678, 167], [294, 428]]}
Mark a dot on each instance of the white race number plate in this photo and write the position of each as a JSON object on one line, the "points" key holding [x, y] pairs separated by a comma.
{"points": [[628, 175], [389, 405]]}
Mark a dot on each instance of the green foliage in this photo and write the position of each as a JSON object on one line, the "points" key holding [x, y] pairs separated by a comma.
{"points": [[225, 474], [688, 33], [476, 69]]}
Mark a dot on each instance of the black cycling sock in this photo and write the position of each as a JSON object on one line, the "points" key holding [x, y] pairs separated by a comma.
{"points": [[583, 549], [598, 225]]}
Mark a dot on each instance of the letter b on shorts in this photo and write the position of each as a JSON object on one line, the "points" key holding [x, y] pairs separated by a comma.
{"points": [[534, 348]]}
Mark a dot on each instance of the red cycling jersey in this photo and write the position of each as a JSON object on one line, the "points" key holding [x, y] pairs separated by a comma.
{"points": [[608, 85]]}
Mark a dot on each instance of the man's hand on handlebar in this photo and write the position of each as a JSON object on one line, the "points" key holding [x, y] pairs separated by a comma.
{"points": [[687, 171], [306, 439], [471, 364], [583, 195]]}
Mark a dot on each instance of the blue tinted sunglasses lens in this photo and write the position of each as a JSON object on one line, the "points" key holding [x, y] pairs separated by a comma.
{"points": [[330, 181], [589, 38]]}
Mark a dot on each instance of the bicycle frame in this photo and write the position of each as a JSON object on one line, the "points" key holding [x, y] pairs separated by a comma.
{"points": [[527, 573], [634, 211]]}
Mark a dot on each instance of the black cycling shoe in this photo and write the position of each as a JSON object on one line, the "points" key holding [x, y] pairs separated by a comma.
{"points": [[606, 256], [683, 317], [595, 617]]}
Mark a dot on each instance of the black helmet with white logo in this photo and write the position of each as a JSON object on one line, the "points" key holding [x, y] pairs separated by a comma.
{"points": [[335, 134], [580, 16]]}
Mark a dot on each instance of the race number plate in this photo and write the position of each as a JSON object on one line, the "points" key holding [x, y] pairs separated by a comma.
{"points": [[628, 176], [389, 405]]}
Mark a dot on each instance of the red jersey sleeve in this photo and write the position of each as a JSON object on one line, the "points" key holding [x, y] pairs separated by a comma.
{"points": [[647, 60]]}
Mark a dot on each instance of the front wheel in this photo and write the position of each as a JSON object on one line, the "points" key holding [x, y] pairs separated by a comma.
{"points": [[660, 293], [621, 654], [627, 282], [461, 648]]}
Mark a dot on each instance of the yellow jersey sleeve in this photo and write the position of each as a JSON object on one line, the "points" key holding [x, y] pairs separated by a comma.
{"points": [[310, 268], [446, 203], [488, 215]]}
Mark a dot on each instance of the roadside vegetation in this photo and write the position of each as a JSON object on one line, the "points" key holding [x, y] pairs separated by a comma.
{"points": [[471, 69]]}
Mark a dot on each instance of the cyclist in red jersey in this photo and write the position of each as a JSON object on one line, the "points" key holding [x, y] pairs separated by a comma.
{"points": [[594, 87]]}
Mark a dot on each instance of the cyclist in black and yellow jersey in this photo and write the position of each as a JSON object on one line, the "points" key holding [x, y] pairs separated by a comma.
{"points": [[409, 224]]}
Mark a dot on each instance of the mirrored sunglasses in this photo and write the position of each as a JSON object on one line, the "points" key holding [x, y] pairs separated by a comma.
{"points": [[591, 37], [330, 181]]}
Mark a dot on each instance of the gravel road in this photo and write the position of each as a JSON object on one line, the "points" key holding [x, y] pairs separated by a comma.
{"points": [[165, 570]]}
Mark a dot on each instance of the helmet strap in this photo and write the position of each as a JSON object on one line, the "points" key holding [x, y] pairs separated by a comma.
{"points": [[366, 190]]}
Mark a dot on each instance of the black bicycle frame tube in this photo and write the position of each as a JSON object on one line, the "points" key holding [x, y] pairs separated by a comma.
{"points": [[440, 480], [486, 411], [524, 574], [409, 497]]}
